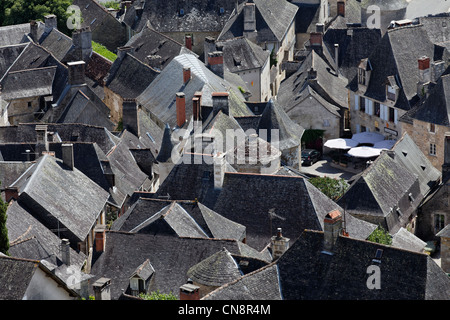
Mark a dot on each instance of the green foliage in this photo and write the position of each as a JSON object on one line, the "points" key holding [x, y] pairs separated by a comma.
{"points": [[101, 50], [311, 135], [380, 235], [273, 58], [333, 188], [112, 4], [156, 295], [241, 89], [120, 125], [4, 241], [23, 11]]}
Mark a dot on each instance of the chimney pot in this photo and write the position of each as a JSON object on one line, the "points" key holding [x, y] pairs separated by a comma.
{"points": [[51, 22], [41, 139], [189, 291], [332, 228], [215, 62], [341, 8], [67, 155], [188, 42], [65, 251], [220, 102], [249, 17], [82, 41], [100, 238], [186, 74], [34, 30], [181, 109], [279, 244], [76, 72]]}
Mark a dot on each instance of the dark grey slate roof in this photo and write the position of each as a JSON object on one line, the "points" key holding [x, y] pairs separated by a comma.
{"points": [[306, 17], [393, 58], [380, 190], [28, 83], [444, 232], [49, 189], [9, 54], [15, 34], [15, 276], [11, 170], [279, 197], [241, 54], [30, 239], [129, 77], [272, 21], [166, 16], [171, 258], [216, 270], [83, 109], [404, 239], [57, 43], [158, 46]]}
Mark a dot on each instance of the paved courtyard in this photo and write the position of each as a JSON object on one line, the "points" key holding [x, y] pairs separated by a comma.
{"points": [[323, 168]]}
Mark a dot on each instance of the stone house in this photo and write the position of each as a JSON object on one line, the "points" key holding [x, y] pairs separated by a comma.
{"points": [[271, 25], [444, 234]]}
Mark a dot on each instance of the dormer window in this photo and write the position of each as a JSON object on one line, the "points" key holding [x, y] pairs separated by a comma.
{"points": [[361, 76], [390, 93], [364, 69], [392, 87], [140, 278]]}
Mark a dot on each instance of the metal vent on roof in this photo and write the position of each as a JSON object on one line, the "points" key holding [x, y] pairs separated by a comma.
{"points": [[423, 167], [411, 198], [221, 10]]}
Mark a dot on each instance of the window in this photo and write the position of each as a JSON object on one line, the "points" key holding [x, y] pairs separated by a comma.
{"points": [[363, 129], [376, 109], [29, 104], [362, 104], [432, 149], [326, 122], [439, 222], [390, 93], [391, 114], [432, 128], [361, 76]]}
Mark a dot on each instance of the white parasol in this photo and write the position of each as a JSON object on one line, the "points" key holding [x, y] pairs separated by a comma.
{"points": [[364, 152], [341, 143], [368, 137]]}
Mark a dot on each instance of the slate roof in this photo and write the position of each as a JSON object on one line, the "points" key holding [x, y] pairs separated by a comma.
{"points": [[216, 270], [166, 16], [15, 34], [444, 232], [160, 47], [241, 54], [272, 21], [171, 258], [48, 188], [329, 88], [57, 43], [15, 277], [306, 17], [404, 239], [433, 109], [83, 109], [170, 81], [129, 77], [380, 190], [9, 54], [304, 272], [281, 198], [393, 57], [23, 84], [352, 48], [30, 239]]}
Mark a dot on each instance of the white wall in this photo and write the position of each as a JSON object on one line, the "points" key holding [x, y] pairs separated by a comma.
{"points": [[43, 287]]}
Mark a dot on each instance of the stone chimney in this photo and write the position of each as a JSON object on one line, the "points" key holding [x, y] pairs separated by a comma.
{"points": [[102, 289], [209, 45], [34, 30], [219, 169], [11, 193], [215, 62], [336, 56], [186, 74], [76, 73], [189, 291], [315, 41], [220, 102], [188, 42], [446, 164], [82, 41], [130, 117], [279, 244], [424, 76], [51, 22], [250, 21], [341, 8], [41, 139], [332, 228], [67, 155], [122, 51], [100, 238], [65, 251], [181, 109]]}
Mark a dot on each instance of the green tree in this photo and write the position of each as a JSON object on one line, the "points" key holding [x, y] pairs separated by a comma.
{"points": [[380, 235], [23, 11], [333, 188], [4, 241], [156, 295]]}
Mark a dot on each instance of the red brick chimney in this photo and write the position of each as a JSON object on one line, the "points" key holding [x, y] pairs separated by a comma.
{"points": [[341, 8], [11, 193], [181, 109], [188, 42], [197, 106], [215, 62], [100, 238], [189, 291], [186, 74]]}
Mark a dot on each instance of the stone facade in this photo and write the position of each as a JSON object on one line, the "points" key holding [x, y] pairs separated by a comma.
{"points": [[445, 254]]}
